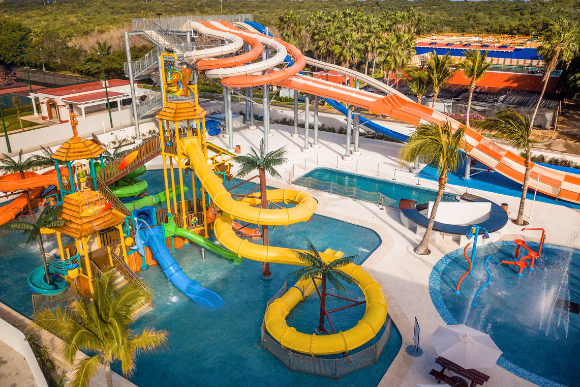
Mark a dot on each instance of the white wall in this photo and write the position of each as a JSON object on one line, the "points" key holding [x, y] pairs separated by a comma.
{"points": [[461, 213], [16, 339], [63, 132]]}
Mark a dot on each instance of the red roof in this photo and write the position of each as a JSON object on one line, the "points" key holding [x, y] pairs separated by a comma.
{"points": [[506, 80], [91, 97], [83, 88], [464, 47]]}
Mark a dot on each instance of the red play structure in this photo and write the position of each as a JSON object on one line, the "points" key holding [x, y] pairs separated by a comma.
{"points": [[532, 255]]}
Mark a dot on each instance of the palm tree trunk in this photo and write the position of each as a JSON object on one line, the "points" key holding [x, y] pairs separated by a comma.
{"points": [[423, 248], [374, 62], [435, 93], [471, 89], [367, 67], [528, 162], [419, 96], [264, 204], [322, 304], [28, 201], [547, 78], [43, 254], [109, 374]]}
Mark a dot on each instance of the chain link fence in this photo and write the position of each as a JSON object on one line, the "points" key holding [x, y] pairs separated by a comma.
{"points": [[327, 367]]}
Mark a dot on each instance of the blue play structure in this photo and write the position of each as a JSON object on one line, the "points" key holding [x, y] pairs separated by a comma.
{"points": [[337, 105], [154, 238], [474, 303], [474, 233], [213, 127]]}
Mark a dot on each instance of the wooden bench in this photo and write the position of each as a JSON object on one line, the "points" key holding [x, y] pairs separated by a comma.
{"points": [[441, 377], [476, 377]]}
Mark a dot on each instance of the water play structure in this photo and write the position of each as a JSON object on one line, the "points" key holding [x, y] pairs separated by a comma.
{"points": [[474, 233], [532, 255]]}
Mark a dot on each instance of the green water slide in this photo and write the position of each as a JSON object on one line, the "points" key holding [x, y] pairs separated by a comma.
{"points": [[171, 229], [152, 200]]}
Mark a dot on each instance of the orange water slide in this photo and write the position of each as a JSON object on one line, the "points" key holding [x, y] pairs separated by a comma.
{"points": [[555, 183], [32, 181]]}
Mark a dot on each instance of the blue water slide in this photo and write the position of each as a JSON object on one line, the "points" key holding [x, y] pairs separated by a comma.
{"points": [[368, 123], [153, 238], [337, 105]]}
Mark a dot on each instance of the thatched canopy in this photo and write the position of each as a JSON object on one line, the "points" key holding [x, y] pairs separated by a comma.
{"points": [[77, 148], [180, 111]]}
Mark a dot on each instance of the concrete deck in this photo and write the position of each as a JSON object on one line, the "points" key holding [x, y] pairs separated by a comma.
{"points": [[14, 370], [403, 274]]}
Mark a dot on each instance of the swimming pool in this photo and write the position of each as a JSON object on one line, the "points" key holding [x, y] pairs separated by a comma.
{"points": [[222, 347], [366, 188], [526, 316]]}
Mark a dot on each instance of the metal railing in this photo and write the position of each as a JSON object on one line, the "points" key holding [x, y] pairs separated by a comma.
{"points": [[148, 149], [111, 197], [150, 104], [181, 23], [129, 274], [331, 368], [143, 64]]}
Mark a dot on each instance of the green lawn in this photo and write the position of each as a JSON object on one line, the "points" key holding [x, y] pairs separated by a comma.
{"points": [[12, 123]]}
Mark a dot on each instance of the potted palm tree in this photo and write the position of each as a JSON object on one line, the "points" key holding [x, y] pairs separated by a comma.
{"points": [[474, 67], [102, 327], [316, 268], [47, 219], [438, 146], [263, 162], [517, 130]]}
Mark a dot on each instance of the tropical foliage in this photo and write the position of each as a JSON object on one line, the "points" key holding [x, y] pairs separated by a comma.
{"points": [[263, 162], [439, 147], [515, 128], [439, 69], [102, 327], [47, 219], [474, 67], [316, 267]]}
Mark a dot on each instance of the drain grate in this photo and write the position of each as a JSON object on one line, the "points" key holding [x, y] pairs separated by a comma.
{"points": [[572, 307]]}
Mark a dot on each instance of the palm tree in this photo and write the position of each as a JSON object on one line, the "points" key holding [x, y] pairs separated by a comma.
{"points": [[102, 48], [290, 27], [102, 327], [474, 67], [517, 130], [418, 82], [318, 269], [10, 165], [561, 43], [438, 146], [263, 162], [439, 69], [47, 219]]}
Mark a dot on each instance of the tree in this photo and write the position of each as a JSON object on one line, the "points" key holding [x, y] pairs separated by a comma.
{"points": [[317, 268], [16, 103], [439, 69], [438, 146], [102, 327], [517, 130], [102, 48], [474, 67], [418, 82], [13, 36], [47, 219], [290, 27], [263, 162], [561, 42], [9, 165]]}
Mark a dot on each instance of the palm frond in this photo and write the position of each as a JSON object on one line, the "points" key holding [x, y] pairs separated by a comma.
{"points": [[342, 262], [308, 258], [18, 226], [331, 276], [307, 272], [85, 370]]}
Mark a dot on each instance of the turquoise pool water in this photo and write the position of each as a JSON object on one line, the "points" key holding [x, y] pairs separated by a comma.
{"points": [[539, 338], [366, 188], [223, 347]]}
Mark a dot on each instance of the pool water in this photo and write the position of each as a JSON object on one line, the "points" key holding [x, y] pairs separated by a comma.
{"points": [[540, 340], [366, 188], [223, 347]]}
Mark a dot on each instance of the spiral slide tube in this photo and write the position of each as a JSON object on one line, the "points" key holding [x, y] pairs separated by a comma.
{"points": [[376, 306], [234, 46]]}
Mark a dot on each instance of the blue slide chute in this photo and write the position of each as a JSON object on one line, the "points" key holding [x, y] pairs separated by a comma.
{"points": [[337, 105], [368, 123], [153, 238]]}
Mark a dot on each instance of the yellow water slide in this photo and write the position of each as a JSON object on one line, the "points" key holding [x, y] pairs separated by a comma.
{"points": [[246, 210]]}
